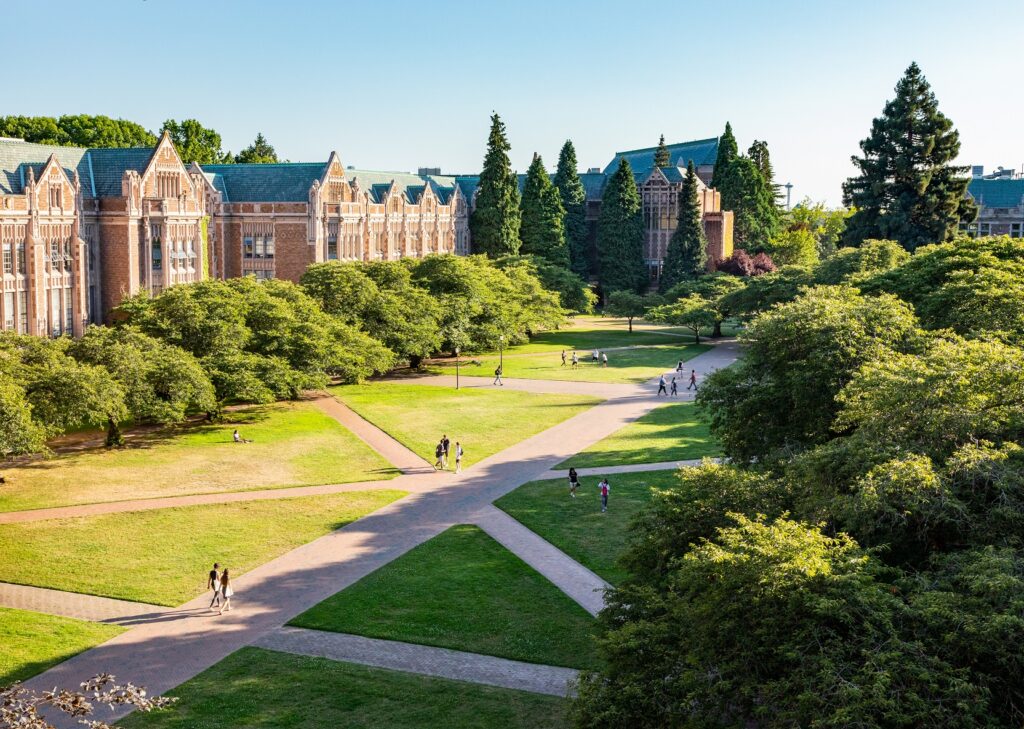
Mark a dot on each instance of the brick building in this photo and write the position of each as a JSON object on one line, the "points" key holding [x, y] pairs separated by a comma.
{"points": [[1000, 200]]}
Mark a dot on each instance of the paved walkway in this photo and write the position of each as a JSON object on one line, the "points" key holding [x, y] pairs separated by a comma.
{"points": [[163, 653], [74, 605], [629, 468], [425, 660], [568, 575]]}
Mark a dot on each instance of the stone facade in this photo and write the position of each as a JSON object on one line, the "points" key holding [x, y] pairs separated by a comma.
{"points": [[1000, 200]]}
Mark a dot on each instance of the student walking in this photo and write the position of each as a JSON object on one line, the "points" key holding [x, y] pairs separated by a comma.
{"points": [[605, 487], [213, 583], [675, 388], [445, 445], [575, 361], [662, 390], [679, 367], [497, 377], [563, 358], [595, 355], [226, 590], [458, 457], [574, 482], [439, 457], [604, 359], [693, 380]]}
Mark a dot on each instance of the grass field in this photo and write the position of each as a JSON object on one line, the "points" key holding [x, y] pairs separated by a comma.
{"points": [[293, 444], [670, 433], [260, 689], [162, 556], [624, 366], [588, 336], [32, 642], [465, 591], [577, 526], [484, 421]]}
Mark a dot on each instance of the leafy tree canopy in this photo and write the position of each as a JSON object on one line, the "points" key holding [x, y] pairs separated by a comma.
{"points": [[260, 152], [77, 130]]}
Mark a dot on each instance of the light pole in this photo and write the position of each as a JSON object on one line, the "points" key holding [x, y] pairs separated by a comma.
{"points": [[456, 368], [501, 353]]}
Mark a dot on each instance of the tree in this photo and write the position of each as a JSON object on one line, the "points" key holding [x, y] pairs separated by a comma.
{"points": [[495, 219], [543, 219], [629, 305], [908, 188], [19, 433], [759, 155], [259, 152], [750, 198], [574, 293], [694, 312], [727, 153], [194, 142], [716, 289], [826, 225], [574, 200], [662, 158], [687, 255], [620, 234], [793, 247], [22, 707], [852, 265], [79, 130]]}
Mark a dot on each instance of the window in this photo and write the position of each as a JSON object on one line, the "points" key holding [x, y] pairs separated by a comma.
{"points": [[984, 229], [1016, 230], [21, 257], [332, 246], [54, 255], [8, 259], [168, 184], [55, 196], [67, 255], [55, 312], [263, 275], [269, 246], [23, 312], [258, 252], [247, 247], [69, 316], [9, 310]]}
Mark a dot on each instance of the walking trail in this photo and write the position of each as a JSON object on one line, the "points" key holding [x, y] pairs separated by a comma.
{"points": [[163, 652]]}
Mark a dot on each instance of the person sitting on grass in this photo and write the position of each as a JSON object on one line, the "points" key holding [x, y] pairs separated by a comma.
{"points": [[238, 438]]}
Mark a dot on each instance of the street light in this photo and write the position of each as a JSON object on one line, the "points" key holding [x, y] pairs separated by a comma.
{"points": [[501, 353], [456, 368]]}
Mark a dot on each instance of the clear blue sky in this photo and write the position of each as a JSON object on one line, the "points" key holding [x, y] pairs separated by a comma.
{"points": [[401, 84]]}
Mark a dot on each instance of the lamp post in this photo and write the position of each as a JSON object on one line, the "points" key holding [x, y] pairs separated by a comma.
{"points": [[501, 353], [456, 368]]}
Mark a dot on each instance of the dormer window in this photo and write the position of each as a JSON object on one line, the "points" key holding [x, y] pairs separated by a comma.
{"points": [[168, 184], [56, 198]]}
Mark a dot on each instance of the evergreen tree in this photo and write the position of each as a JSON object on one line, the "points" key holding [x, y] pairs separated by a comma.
{"points": [[495, 219], [661, 155], [574, 200], [755, 217], [727, 152], [759, 155], [687, 255], [908, 190], [543, 218], [260, 151], [620, 234]]}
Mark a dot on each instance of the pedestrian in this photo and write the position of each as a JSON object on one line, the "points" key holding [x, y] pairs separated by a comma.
{"points": [[226, 590], [575, 360], [213, 583], [605, 487], [595, 355], [675, 388], [679, 367], [563, 358], [693, 380], [604, 359], [439, 457], [445, 445], [497, 377], [458, 457], [661, 386], [574, 482]]}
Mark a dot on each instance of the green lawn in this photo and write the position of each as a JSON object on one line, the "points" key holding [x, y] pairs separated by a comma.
{"points": [[163, 556], [577, 526], [587, 337], [484, 421], [32, 642], [260, 689], [465, 591], [294, 444], [670, 433], [624, 366]]}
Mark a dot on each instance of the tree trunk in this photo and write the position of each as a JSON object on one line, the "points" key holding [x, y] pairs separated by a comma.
{"points": [[630, 324], [696, 336], [718, 329], [114, 437], [415, 361]]}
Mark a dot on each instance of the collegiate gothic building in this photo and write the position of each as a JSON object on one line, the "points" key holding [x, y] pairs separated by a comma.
{"points": [[82, 229]]}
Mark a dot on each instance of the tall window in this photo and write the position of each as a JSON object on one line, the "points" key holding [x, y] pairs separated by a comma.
{"points": [[157, 255], [23, 312], [269, 246], [55, 312], [9, 310], [168, 184], [67, 255], [332, 246], [55, 196], [258, 247], [247, 246], [20, 250], [1016, 230], [8, 259], [69, 313]]}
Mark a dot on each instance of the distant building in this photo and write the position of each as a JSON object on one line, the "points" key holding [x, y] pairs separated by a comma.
{"points": [[1000, 200]]}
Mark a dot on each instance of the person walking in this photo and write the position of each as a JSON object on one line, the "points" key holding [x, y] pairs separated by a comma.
{"points": [[439, 457], [675, 388], [497, 377], [458, 457], [604, 359], [595, 355], [605, 487], [693, 380], [445, 445], [679, 367], [563, 358], [213, 583], [226, 590], [662, 390], [574, 482], [575, 360]]}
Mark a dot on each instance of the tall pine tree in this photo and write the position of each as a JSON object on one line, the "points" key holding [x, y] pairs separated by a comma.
{"points": [[756, 218], [727, 152], [759, 155], [495, 219], [661, 156], [908, 188], [620, 234], [574, 200], [687, 255], [543, 218]]}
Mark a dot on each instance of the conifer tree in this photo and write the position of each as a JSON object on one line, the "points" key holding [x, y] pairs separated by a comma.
{"points": [[727, 152], [495, 219], [662, 158], [260, 151], [574, 199], [543, 219], [908, 188], [687, 255], [759, 155], [756, 218], [620, 234]]}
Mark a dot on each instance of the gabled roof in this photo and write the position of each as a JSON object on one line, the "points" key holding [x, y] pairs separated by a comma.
{"points": [[997, 193], [109, 166], [377, 184], [700, 151], [17, 156]]}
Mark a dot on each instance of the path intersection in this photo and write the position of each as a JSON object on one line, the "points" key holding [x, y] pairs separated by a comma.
{"points": [[165, 647]]}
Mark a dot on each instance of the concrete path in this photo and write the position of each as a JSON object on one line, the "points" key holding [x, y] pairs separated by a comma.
{"points": [[568, 575], [425, 660], [163, 653], [74, 605], [402, 458], [629, 468]]}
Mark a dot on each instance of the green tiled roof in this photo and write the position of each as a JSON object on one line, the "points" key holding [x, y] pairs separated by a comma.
{"points": [[282, 182], [593, 184], [17, 156], [997, 193], [700, 151], [378, 183], [109, 166]]}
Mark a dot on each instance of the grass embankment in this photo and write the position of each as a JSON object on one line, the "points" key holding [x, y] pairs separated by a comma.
{"points": [[32, 642]]}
